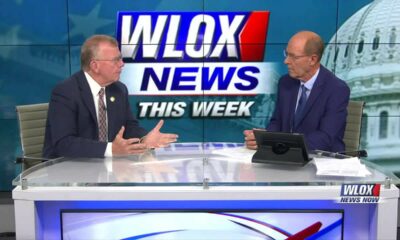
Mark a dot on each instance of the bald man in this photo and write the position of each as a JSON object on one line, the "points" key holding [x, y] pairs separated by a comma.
{"points": [[311, 100]]}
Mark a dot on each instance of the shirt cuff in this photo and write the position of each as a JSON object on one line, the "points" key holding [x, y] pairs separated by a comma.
{"points": [[108, 152]]}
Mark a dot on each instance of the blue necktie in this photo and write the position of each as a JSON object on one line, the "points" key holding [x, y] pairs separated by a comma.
{"points": [[300, 106]]}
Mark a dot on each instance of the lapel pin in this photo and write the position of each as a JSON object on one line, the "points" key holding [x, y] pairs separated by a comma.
{"points": [[112, 99]]}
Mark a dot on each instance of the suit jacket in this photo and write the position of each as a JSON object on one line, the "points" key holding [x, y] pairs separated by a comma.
{"points": [[324, 119], [72, 129]]}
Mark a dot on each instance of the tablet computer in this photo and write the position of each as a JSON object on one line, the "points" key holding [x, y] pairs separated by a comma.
{"points": [[280, 148]]}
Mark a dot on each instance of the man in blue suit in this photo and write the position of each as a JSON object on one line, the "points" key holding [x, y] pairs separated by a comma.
{"points": [[89, 113], [311, 100]]}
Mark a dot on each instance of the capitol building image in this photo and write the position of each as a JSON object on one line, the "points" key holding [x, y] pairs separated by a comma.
{"points": [[367, 57]]}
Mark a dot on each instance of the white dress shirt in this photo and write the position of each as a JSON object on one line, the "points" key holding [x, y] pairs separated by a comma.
{"points": [[95, 88], [309, 85]]}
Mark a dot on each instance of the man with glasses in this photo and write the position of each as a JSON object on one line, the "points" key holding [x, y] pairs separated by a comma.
{"points": [[89, 113], [311, 100]]}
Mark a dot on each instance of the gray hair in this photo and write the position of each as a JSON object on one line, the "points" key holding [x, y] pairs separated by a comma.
{"points": [[90, 48]]}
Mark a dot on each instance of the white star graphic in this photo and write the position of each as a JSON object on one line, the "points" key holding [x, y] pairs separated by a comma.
{"points": [[88, 24]]}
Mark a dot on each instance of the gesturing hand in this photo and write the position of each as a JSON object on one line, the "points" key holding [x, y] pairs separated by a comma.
{"points": [[155, 138], [121, 146]]}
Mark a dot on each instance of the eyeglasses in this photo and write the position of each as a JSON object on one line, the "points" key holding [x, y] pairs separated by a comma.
{"points": [[293, 57], [114, 60]]}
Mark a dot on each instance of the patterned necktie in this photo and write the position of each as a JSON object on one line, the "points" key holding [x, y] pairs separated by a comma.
{"points": [[102, 118], [301, 104]]}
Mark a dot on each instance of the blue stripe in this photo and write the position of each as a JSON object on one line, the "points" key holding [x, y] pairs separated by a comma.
{"points": [[149, 235], [326, 230]]}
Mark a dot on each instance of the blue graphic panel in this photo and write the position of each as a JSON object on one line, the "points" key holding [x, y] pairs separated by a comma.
{"points": [[30, 22], [287, 16], [356, 224], [100, 17]]}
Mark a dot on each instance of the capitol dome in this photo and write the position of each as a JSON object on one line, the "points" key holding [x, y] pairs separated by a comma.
{"points": [[367, 57]]}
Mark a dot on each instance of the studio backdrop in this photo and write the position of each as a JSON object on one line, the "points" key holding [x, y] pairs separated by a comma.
{"points": [[208, 68]]}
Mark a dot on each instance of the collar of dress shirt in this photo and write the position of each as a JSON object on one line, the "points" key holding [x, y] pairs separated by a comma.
{"points": [[94, 86], [310, 83]]}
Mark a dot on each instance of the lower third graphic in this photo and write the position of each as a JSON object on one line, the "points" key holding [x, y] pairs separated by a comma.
{"points": [[360, 193]]}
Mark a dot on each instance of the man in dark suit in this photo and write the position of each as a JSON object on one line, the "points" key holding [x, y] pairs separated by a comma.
{"points": [[89, 113], [311, 100]]}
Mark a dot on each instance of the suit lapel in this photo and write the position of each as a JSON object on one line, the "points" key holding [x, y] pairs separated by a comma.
{"points": [[111, 99], [293, 101], [87, 95]]}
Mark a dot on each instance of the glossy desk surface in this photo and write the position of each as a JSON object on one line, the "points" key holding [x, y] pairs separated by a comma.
{"points": [[185, 164]]}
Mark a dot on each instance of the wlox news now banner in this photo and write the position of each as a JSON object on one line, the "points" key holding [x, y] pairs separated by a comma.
{"points": [[360, 193], [195, 54]]}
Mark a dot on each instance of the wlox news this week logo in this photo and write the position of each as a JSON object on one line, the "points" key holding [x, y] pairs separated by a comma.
{"points": [[360, 193], [195, 54]]}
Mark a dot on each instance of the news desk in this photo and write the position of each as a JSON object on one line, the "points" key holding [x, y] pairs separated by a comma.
{"points": [[195, 191]]}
